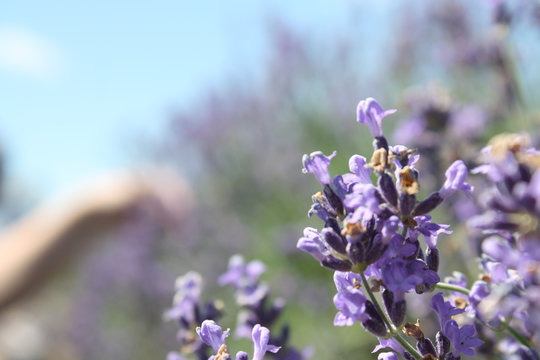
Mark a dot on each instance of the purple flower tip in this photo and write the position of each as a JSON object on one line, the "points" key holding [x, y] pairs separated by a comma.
{"points": [[212, 334], [317, 164], [455, 180], [371, 113], [261, 337]]}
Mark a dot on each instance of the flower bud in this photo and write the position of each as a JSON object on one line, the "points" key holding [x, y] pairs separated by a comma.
{"points": [[375, 323], [406, 203], [428, 204], [388, 299], [443, 344], [332, 223], [408, 356], [396, 309], [388, 188], [356, 252], [432, 258], [334, 263], [425, 346], [376, 250], [381, 142], [334, 240], [399, 310], [333, 200]]}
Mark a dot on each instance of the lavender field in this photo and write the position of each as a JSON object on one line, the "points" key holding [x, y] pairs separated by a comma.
{"points": [[369, 193]]}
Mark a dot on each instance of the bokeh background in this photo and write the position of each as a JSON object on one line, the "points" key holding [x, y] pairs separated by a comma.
{"points": [[210, 105]]}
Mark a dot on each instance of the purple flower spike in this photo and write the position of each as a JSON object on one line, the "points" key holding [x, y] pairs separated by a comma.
{"points": [[371, 113], [455, 180], [462, 338], [317, 164], [261, 337], [212, 334], [186, 298]]}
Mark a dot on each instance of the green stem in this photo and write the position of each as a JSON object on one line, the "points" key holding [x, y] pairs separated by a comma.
{"points": [[452, 287], [516, 334], [504, 324], [393, 330]]}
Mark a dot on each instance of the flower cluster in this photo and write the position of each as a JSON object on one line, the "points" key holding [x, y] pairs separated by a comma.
{"points": [[252, 296], [212, 334], [199, 334], [373, 227], [188, 314], [379, 238], [508, 292]]}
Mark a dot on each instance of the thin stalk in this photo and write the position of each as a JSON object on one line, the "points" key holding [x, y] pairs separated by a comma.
{"points": [[516, 334], [452, 287], [393, 331]]}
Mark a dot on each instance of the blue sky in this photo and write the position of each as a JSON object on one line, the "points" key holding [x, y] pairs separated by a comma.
{"points": [[81, 82]]}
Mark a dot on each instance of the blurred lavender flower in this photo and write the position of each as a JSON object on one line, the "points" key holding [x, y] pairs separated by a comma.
{"points": [[188, 312], [256, 316], [212, 335]]}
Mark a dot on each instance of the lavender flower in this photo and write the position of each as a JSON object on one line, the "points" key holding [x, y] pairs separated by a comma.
{"points": [[257, 314], [349, 300], [261, 338], [403, 276], [371, 113], [240, 274], [444, 309], [389, 343], [461, 338], [212, 334], [317, 164], [455, 180], [186, 298]]}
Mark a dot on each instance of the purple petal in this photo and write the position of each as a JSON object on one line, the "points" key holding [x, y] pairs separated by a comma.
{"points": [[455, 179], [261, 337], [212, 334], [371, 113], [317, 164]]}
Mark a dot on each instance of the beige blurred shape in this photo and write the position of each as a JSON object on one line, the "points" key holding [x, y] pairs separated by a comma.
{"points": [[48, 236]]}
